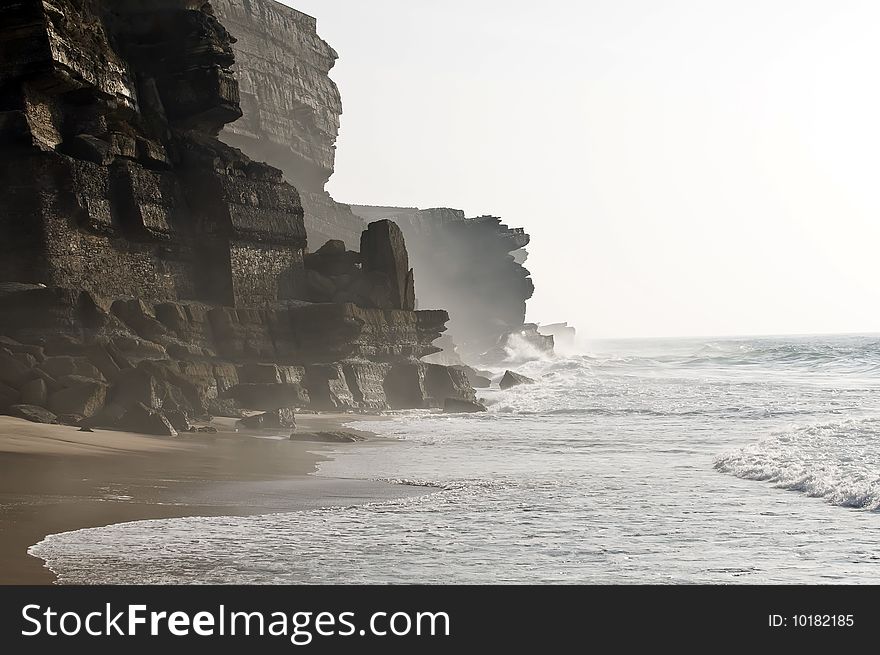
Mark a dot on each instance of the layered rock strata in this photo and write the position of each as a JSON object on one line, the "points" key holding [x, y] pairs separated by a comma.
{"points": [[150, 273], [291, 107]]}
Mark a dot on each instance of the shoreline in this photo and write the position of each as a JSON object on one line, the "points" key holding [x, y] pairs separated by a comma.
{"points": [[55, 479]]}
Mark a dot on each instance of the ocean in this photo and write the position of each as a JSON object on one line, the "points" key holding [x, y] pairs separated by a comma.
{"points": [[677, 461]]}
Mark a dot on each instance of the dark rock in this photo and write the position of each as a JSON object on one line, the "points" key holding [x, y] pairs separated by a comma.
{"points": [[136, 385], [269, 396], [332, 247], [88, 148], [141, 419], [15, 347], [279, 418], [477, 379], [417, 385], [226, 407], [383, 250], [86, 398], [327, 437], [8, 395], [321, 288], [512, 379], [107, 417], [32, 413], [85, 429], [366, 380], [26, 358], [62, 365], [458, 406], [442, 383], [12, 371], [178, 420], [99, 356], [52, 385], [139, 317], [328, 388], [259, 374], [71, 420], [35, 392], [405, 386], [471, 266]]}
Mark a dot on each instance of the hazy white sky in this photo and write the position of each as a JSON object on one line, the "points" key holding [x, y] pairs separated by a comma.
{"points": [[685, 167]]}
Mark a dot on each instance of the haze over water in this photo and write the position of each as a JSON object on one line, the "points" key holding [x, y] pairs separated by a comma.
{"points": [[683, 461]]}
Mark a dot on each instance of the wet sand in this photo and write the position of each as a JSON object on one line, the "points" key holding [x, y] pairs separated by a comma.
{"points": [[56, 479]]}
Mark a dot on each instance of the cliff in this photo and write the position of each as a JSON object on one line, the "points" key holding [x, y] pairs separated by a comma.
{"points": [[291, 107], [474, 268], [149, 270]]}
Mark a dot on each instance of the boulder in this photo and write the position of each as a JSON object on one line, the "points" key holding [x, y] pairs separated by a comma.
{"points": [[226, 407], [477, 379], [442, 382], [320, 287], [145, 420], [35, 392], [32, 413], [405, 386], [15, 347], [332, 247], [8, 395], [139, 317], [101, 359], [52, 385], [328, 388], [135, 385], [279, 418], [61, 365], [85, 398], [512, 379], [12, 371], [178, 420], [458, 406], [107, 417], [26, 358], [383, 250]]}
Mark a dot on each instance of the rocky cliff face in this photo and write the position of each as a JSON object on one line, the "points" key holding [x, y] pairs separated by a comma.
{"points": [[291, 107], [148, 267], [474, 268], [291, 119]]}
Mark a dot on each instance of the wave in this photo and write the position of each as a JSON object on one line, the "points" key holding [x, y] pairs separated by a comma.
{"points": [[836, 461]]}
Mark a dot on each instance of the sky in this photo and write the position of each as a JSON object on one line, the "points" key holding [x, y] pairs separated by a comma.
{"points": [[685, 167]]}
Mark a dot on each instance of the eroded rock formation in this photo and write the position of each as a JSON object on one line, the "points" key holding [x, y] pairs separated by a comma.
{"points": [[474, 268], [291, 107], [149, 272]]}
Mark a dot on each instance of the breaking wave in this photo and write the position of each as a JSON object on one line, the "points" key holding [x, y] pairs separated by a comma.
{"points": [[839, 462]]}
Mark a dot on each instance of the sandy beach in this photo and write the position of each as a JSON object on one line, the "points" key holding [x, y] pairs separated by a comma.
{"points": [[57, 479]]}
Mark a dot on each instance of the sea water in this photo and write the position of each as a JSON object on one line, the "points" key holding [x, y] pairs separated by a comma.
{"points": [[680, 461]]}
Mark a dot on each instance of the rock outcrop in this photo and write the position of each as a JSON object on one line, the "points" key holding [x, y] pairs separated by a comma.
{"points": [[473, 267], [150, 273], [291, 107]]}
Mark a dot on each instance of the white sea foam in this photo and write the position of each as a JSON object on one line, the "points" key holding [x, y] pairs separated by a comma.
{"points": [[638, 463], [838, 461]]}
